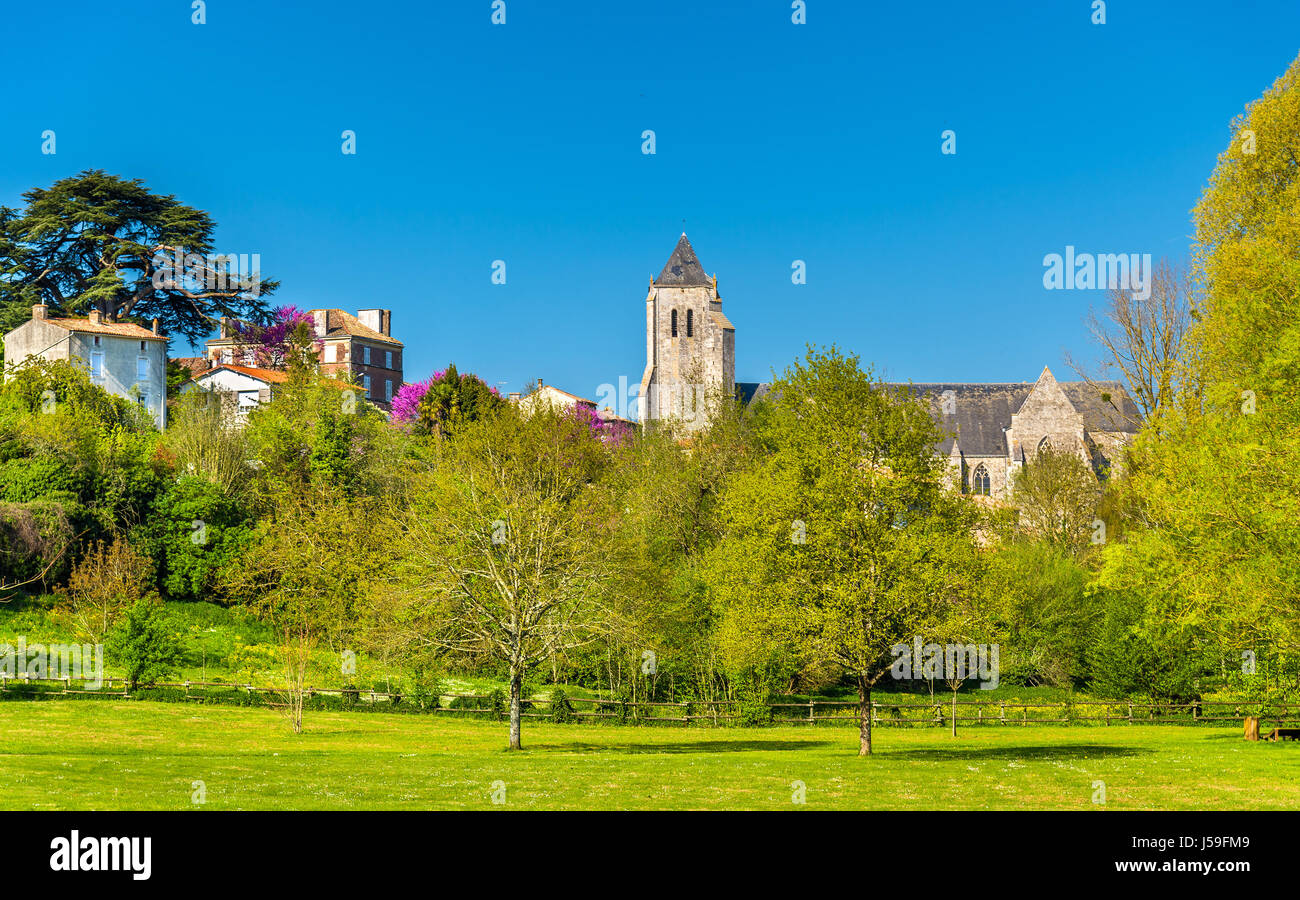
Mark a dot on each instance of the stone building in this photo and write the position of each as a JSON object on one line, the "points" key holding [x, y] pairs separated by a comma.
{"points": [[991, 429], [690, 344], [362, 346], [123, 358]]}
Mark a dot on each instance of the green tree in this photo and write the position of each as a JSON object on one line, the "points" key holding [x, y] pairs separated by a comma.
{"points": [[1215, 486], [195, 530], [319, 433], [1044, 617], [453, 400], [844, 541], [1056, 495], [308, 571], [508, 544], [98, 241]]}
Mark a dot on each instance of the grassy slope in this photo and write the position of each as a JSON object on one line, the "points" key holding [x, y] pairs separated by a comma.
{"points": [[137, 755], [223, 645]]}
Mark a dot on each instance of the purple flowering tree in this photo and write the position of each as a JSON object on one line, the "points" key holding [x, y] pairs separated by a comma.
{"points": [[289, 337], [406, 402], [609, 432]]}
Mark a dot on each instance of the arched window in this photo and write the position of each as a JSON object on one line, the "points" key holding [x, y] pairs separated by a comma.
{"points": [[1045, 444], [674, 323], [690, 323], [979, 481]]}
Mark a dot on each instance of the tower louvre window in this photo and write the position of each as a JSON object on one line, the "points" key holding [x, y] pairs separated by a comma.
{"points": [[674, 317], [690, 323]]}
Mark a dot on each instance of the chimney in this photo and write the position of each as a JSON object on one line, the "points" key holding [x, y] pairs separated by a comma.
{"points": [[155, 327], [223, 327], [373, 319], [320, 318], [95, 317], [40, 311], [514, 397], [386, 316]]}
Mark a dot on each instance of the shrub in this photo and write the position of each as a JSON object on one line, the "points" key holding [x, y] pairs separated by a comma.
{"points": [[561, 708], [145, 645], [34, 539], [108, 580]]}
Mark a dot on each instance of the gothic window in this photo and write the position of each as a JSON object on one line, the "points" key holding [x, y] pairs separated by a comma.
{"points": [[690, 323], [674, 323], [1045, 444], [979, 481]]}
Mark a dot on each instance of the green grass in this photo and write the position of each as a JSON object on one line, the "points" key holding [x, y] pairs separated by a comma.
{"points": [[139, 755]]}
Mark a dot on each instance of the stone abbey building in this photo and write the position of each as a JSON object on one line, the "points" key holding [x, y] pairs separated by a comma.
{"points": [[991, 428]]}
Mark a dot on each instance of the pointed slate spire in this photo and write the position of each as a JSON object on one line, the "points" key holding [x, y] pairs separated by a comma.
{"points": [[683, 268]]}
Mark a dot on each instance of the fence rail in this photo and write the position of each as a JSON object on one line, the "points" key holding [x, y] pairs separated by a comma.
{"points": [[845, 712]]}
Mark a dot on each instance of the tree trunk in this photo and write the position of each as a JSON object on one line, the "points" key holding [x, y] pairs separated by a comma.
{"points": [[864, 717], [516, 688], [954, 713]]}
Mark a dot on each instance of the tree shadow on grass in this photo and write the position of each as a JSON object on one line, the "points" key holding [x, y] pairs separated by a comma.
{"points": [[1025, 754], [683, 747]]}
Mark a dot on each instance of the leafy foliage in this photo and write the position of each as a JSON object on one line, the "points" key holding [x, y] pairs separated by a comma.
{"points": [[145, 643], [97, 241]]}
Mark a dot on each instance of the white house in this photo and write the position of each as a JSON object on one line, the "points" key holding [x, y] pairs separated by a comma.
{"points": [[123, 358]]}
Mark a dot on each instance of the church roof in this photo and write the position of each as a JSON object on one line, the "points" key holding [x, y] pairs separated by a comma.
{"points": [[1104, 405], [980, 412], [683, 268]]}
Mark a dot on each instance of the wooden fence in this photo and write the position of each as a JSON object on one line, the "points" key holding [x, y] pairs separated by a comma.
{"points": [[810, 712]]}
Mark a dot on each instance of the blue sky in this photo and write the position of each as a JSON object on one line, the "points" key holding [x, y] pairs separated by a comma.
{"points": [[774, 142]]}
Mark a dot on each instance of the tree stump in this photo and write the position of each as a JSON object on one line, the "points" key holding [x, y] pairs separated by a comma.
{"points": [[1252, 728]]}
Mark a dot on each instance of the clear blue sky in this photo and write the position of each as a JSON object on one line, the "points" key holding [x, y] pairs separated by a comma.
{"points": [[775, 142]]}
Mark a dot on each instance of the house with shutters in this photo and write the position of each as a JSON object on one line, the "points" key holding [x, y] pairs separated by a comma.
{"points": [[125, 359], [361, 346]]}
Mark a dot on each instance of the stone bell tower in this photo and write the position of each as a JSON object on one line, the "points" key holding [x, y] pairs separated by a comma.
{"points": [[690, 344]]}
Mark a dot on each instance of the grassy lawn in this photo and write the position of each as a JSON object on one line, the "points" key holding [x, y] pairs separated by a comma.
{"points": [[140, 755]]}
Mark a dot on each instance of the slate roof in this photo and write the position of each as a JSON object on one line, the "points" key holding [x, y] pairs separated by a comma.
{"points": [[1105, 405], [981, 411], [749, 391], [683, 268]]}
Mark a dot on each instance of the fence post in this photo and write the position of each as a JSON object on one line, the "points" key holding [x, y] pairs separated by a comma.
{"points": [[811, 717], [1024, 713], [1002, 712], [874, 717]]}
